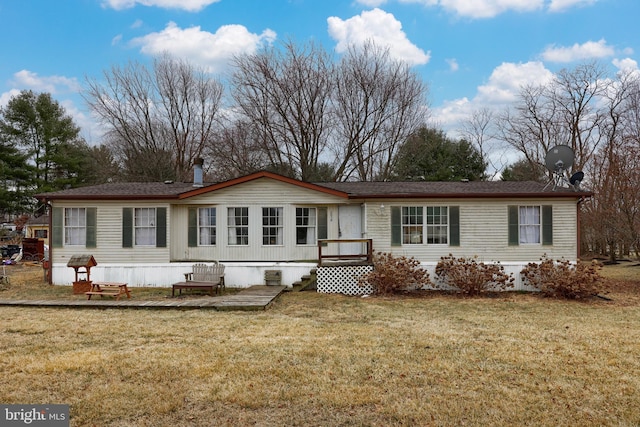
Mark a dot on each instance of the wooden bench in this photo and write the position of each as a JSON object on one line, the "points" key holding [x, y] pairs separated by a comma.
{"points": [[203, 277], [110, 289]]}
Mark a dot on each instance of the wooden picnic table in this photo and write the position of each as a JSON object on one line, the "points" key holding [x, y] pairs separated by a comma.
{"points": [[111, 289]]}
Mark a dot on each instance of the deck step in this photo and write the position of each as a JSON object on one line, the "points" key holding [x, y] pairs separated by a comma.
{"points": [[306, 283]]}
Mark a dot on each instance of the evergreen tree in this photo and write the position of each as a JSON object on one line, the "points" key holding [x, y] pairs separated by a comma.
{"points": [[429, 155], [47, 137]]}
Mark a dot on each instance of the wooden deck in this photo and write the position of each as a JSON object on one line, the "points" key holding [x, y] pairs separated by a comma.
{"points": [[257, 297]]}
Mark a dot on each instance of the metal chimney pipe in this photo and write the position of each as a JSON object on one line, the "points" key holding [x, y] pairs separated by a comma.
{"points": [[197, 172]]}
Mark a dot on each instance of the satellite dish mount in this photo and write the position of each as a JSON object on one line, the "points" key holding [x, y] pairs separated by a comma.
{"points": [[559, 160]]}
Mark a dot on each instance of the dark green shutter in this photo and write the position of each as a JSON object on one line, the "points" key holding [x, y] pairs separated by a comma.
{"points": [[127, 227], [91, 219], [514, 239], [547, 225], [396, 226], [57, 219], [192, 235], [161, 227], [454, 225]]}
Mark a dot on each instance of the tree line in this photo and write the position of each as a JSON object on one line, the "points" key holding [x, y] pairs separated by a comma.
{"points": [[295, 110]]}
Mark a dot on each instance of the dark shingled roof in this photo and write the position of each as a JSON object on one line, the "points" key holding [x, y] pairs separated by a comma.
{"points": [[424, 189], [122, 190], [352, 190]]}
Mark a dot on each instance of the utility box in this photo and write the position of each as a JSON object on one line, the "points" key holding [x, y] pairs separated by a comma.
{"points": [[273, 277]]}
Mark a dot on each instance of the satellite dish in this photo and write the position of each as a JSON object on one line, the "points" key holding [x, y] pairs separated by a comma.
{"points": [[559, 160], [576, 179]]}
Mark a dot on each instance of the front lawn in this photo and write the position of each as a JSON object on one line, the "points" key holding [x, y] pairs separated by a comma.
{"points": [[314, 359]]}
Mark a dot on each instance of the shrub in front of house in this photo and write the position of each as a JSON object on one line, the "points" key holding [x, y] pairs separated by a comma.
{"points": [[564, 278], [394, 274], [468, 276]]}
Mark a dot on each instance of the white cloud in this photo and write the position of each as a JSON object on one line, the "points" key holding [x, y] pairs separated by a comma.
{"points": [[453, 65], [6, 96], [563, 5], [508, 79], [52, 84], [210, 50], [502, 89], [626, 64], [482, 8], [188, 5], [577, 52], [380, 27]]}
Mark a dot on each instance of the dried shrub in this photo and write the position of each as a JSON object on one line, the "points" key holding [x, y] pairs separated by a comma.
{"points": [[563, 278], [468, 276], [393, 274]]}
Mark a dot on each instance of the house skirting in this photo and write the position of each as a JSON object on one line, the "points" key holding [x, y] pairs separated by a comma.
{"points": [[343, 279], [237, 274]]}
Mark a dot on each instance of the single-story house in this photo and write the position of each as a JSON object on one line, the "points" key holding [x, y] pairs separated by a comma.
{"points": [[149, 234]]}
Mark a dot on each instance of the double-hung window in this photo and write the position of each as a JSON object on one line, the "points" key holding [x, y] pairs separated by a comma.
{"points": [[530, 225], [431, 225], [75, 227], [207, 226], [437, 225], [306, 226], [272, 229], [238, 226], [144, 227], [412, 225]]}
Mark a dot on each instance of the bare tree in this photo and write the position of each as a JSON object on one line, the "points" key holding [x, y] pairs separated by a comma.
{"points": [[564, 112], [478, 129], [613, 217], [284, 95], [165, 114], [378, 103], [237, 150]]}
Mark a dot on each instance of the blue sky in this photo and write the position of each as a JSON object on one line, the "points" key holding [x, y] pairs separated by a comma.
{"points": [[471, 53]]}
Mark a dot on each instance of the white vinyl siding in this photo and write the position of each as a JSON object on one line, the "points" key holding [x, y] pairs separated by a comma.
{"points": [[109, 236], [256, 195], [483, 230]]}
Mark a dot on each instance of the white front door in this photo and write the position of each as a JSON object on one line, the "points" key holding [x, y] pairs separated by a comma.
{"points": [[350, 223]]}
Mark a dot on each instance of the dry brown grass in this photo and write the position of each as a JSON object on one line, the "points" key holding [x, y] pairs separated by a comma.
{"points": [[312, 359]]}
